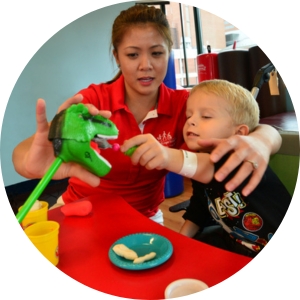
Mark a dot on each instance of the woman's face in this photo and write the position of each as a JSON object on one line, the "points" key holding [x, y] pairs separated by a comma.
{"points": [[207, 117], [143, 58]]}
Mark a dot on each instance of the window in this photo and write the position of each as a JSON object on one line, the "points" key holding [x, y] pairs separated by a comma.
{"points": [[182, 21], [193, 30]]}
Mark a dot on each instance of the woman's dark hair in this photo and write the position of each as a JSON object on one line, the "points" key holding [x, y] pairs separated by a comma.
{"points": [[137, 15]]}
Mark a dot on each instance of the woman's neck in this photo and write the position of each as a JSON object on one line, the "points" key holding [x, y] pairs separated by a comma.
{"points": [[140, 105]]}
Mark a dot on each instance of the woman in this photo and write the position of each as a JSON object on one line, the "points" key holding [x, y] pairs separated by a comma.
{"points": [[138, 102]]}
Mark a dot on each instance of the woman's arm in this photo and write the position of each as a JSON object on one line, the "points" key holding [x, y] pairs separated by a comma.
{"points": [[256, 147]]}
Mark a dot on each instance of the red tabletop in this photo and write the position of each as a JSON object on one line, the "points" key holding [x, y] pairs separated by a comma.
{"points": [[84, 243]]}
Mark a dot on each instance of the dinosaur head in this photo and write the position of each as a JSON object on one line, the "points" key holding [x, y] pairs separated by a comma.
{"points": [[76, 134]]}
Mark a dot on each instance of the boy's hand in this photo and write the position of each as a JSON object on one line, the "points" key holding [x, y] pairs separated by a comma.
{"points": [[149, 152]]}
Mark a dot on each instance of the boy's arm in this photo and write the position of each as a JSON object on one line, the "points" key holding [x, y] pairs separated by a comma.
{"points": [[201, 165], [189, 228], [152, 155], [196, 215]]}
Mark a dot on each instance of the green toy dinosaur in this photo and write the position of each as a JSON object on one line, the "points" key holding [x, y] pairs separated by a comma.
{"points": [[76, 134]]}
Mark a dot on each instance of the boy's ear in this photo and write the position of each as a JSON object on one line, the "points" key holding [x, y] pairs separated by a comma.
{"points": [[242, 130]]}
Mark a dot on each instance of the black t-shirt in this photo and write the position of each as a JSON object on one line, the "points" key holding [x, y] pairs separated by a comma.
{"points": [[251, 220]]}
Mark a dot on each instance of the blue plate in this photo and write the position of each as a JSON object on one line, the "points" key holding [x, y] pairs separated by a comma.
{"points": [[142, 244]]}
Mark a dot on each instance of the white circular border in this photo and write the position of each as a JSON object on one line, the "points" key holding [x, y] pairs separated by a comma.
{"points": [[26, 25]]}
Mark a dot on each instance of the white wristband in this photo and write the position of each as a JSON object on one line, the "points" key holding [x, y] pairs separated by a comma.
{"points": [[190, 163]]}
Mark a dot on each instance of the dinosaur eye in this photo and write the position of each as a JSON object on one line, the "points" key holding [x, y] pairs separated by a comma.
{"points": [[105, 123], [95, 120]]}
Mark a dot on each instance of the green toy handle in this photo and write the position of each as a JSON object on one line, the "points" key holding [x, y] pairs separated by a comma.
{"points": [[38, 189], [130, 151]]}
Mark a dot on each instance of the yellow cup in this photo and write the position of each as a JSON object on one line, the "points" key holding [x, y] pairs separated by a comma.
{"points": [[44, 235], [38, 215]]}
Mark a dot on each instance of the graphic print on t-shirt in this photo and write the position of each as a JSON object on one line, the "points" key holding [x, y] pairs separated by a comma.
{"points": [[230, 212]]}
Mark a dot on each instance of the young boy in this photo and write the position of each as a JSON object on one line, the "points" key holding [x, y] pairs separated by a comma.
{"points": [[220, 109]]}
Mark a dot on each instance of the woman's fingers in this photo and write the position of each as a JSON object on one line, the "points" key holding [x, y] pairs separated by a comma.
{"points": [[75, 170], [246, 154], [221, 147], [73, 100], [209, 145], [105, 113], [91, 108], [238, 151], [41, 117], [254, 180], [245, 170]]}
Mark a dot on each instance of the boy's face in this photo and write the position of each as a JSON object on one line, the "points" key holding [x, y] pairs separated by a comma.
{"points": [[207, 117]]}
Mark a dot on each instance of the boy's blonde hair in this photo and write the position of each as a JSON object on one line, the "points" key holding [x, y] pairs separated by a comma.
{"points": [[244, 108]]}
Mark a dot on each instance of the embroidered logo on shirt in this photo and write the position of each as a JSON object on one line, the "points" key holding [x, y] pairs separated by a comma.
{"points": [[166, 139]]}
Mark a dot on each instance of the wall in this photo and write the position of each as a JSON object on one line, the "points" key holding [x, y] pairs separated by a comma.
{"points": [[77, 55]]}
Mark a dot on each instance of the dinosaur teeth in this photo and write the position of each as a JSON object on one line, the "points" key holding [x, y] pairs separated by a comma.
{"points": [[102, 143], [106, 137]]}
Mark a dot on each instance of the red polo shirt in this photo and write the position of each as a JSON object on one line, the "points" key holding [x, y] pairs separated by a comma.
{"points": [[142, 188]]}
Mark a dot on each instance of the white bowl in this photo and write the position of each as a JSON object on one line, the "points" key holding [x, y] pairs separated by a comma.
{"points": [[184, 287]]}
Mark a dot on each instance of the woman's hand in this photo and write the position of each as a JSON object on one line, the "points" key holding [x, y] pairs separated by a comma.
{"points": [[33, 157], [92, 109], [256, 147]]}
